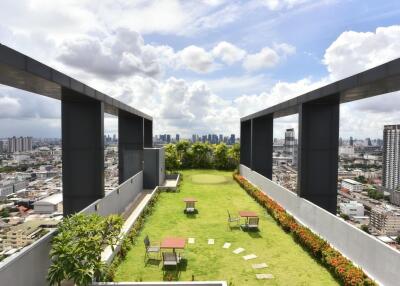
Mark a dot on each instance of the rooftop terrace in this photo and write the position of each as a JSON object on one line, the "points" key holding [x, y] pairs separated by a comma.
{"points": [[216, 192]]}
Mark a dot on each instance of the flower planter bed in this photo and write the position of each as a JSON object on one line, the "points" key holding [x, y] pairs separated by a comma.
{"points": [[341, 267]]}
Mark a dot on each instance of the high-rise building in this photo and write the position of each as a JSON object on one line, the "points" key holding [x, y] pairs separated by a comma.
{"points": [[177, 137], [290, 146], [289, 141], [368, 141], [20, 144], [391, 157], [232, 139], [168, 137], [194, 138], [12, 144], [1, 146], [351, 142]]}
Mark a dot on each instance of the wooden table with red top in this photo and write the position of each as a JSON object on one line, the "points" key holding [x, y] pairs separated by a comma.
{"points": [[248, 214], [174, 243]]}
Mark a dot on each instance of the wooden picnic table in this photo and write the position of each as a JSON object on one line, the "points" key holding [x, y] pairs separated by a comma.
{"points": [[190, 204], [174, 243], [247, 214]]}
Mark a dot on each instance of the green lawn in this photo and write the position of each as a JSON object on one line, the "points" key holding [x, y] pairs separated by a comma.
{"points": [[216, 192]]}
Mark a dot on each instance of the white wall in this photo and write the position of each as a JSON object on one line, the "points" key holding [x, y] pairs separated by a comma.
{"points": [[377, 259], [30, 265]]}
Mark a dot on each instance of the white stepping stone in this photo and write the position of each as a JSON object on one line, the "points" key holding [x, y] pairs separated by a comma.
{"points": [[264, 276], [210, 241], [191, 240], [226, 245], [238, 250], [250, 256], [259, 266]]}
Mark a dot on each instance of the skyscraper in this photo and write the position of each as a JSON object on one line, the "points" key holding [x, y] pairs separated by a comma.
{"points": [[177, 137], [391, 157], [289, 147], [289, 142], [351, 141]]}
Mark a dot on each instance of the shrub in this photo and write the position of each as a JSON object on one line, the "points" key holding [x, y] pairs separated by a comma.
{"points": [[77, 247], [342, 268]]}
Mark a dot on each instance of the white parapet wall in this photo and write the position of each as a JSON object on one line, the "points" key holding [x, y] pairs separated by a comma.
{"points": [[380, 261], [29, 266], [202, 283]]}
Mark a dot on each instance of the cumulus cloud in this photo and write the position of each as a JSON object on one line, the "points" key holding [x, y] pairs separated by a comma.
{"points": [[122, 53], [268, 57], [228, 52], [196, 59], [353, 52]]}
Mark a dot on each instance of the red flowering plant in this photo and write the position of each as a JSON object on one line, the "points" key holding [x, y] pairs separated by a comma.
{"points": [[341, 267]]}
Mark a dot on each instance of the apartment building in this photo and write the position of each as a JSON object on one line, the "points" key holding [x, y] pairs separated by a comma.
{"points": [[385, 220]]}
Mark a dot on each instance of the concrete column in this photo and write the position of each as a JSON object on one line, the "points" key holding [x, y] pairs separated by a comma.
{"points": [[82, 150], [245, 143], [130, 145], [318, 152], [148, 133], [262, 141]]}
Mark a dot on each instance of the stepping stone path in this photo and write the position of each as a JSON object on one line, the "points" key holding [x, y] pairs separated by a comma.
{"points": [[250, 256], [191, 240], [210, 241], [226, 245], [264, 276], [238, 250], [259, 266]]}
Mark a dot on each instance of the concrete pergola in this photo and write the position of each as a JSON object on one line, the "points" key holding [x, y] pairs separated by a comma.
{"points": [[318, 131], [82, 117]]}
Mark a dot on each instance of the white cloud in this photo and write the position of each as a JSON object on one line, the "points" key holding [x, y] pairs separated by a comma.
{"points": [[353, 52], [282, 4], [228, 52], [121, 53], [266, 58], [196, 59]]}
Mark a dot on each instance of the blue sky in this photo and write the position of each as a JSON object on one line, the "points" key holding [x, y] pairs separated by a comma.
{"points": [[198, 66]]}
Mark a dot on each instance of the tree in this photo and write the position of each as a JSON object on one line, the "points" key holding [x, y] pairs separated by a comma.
{"points": [[374, 194], [5, 212], [398, 239], [221, 160], [171, 157], [201, 155], [364, 227], [234, 155], [76, 249]]}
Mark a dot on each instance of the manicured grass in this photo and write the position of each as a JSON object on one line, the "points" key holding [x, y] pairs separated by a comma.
{"points": [[286, 260]]}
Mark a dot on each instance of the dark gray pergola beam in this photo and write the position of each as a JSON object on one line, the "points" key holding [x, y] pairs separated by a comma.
{"points": [[82, 150], [245, 143], [318, 152], [130, 145], [148, 133], [20, 71], [262, 145], [378, 80]]}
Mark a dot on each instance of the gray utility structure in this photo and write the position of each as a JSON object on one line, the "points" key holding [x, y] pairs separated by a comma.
{"points": [[318, 131], [154, 167], [82, 117]]}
